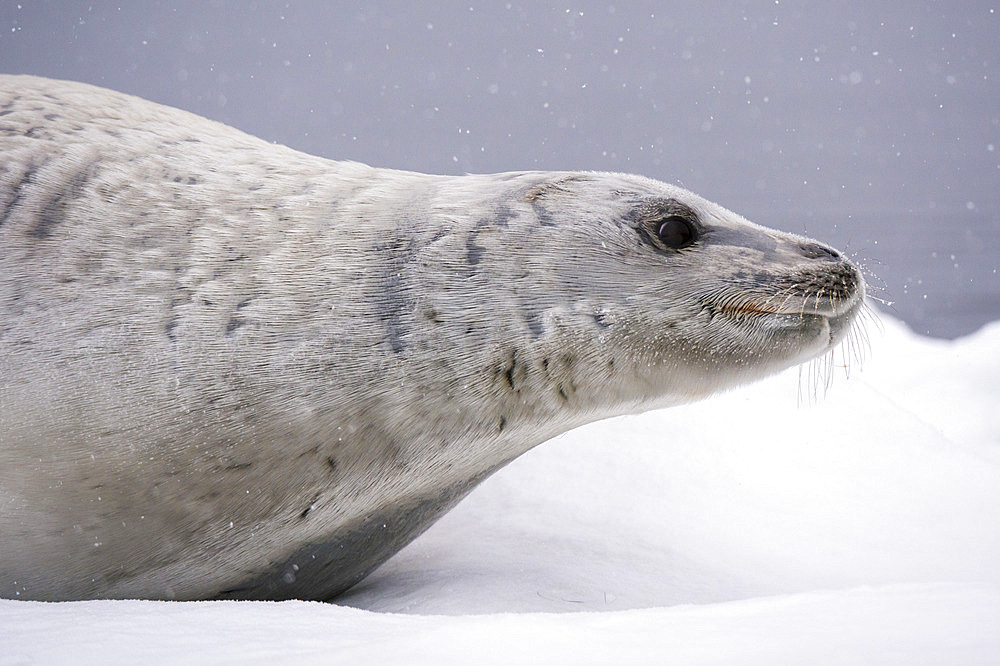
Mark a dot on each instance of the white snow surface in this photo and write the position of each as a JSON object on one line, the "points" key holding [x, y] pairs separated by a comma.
{"points": [[860, 527]]}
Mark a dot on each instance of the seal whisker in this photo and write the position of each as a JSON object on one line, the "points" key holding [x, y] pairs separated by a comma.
{"points": [[789, 295]]}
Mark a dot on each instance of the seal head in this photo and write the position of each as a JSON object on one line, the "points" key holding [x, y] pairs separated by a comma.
{"points": [[680, 296]]}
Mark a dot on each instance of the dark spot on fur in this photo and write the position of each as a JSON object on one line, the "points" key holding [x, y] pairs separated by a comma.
{"points": [[503, 423], [168, 328], [4, 113], [430, 314], [54, 212], [192, 140], [238, 466], [534, 321], [308, 509], [396, 341], [511, 368], [331, 462], [236, 320], [192, 180], [601, 320], [537, 193], [544, 217], [504, 214], [25, 180], [111, 132], [51, 116], [474, 253], [393, 300]]}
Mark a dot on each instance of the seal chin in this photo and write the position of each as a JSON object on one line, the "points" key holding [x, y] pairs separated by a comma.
{"points": [[841, 314], [839, 325], [822, 332]]}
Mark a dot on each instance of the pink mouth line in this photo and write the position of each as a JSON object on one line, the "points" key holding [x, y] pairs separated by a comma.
{"points": [[747, 308]]}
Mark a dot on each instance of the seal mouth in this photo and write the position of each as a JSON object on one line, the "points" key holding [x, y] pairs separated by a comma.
{"points": [[831, 304], [745, 308], [830, 313]]}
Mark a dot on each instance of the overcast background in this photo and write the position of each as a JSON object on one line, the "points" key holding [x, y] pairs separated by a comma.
{"points": [[872, 126]]}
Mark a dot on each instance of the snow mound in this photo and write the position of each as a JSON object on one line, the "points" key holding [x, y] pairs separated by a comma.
{"points": [[863, 527]]}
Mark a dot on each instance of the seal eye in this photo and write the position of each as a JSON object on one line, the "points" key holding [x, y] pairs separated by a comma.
{"points": [[675, 232]]}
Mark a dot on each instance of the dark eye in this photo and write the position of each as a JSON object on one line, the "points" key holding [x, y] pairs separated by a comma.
{"points": [[676, 232]]}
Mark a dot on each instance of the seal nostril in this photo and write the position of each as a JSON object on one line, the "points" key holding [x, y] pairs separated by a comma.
{"points": [[817, 251]]}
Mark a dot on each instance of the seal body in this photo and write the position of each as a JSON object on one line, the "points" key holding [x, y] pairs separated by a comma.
{"points": [[232, 370]]}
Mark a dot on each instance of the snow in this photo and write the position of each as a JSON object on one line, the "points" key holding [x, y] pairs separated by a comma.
{"points": [[859, 527]]}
